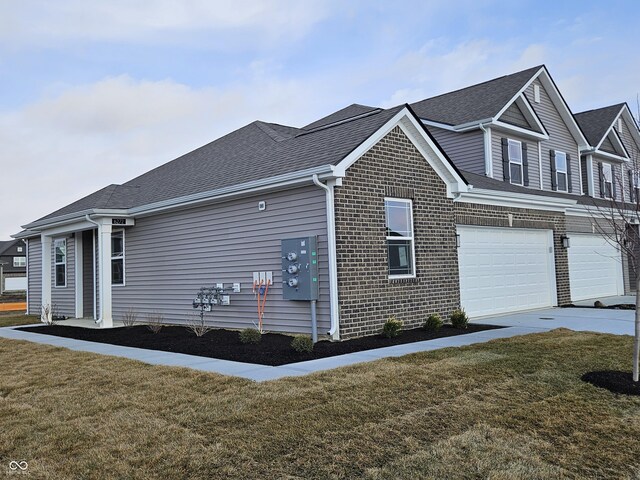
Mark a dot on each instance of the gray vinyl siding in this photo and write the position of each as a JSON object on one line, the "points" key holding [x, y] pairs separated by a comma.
{"points": [[466, 150], [585, 178], [514, 116], [63, 299], [633, 149], [532, 156], [34, 273], [607, 146], [560, 138], [168, 257], [587, 225]]}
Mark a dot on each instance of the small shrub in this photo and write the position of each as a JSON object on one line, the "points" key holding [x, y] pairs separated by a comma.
{"points": [[198, 325], [302, 344], [155, 321], [434, 322], [392, 327], [250, 335], [129, 317], [459, 318]]}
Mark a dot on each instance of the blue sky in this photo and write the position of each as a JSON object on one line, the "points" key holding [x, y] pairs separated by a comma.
{"points": [[93, 93]]}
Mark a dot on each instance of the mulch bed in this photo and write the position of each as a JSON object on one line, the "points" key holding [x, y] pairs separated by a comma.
{"points": [[614, 381], [274, 348], [619, 306]]}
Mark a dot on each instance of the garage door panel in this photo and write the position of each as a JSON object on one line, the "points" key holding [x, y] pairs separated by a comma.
{"points": [[504, 270], [594, 267]]}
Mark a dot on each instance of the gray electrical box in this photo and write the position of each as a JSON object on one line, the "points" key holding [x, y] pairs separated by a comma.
{"points": [[300, 268]]}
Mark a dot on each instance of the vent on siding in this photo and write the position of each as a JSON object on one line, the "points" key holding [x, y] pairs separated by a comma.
{"points": [[536, 93]]}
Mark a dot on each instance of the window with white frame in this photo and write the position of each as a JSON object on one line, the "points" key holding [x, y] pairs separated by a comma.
{"points": [[607, 180], [561, 171], [60, 249], [19, 261], [19, 249], [515, 161], [117, 258], [400, 242]]}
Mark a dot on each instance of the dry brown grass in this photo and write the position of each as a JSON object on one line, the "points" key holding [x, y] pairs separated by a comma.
{"points": [[509, 409], [9, 319]]}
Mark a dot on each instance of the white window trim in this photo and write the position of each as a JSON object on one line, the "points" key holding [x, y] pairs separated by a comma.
{"points": [[411, 238], [566, 169], [19, 249], [605, 167], [124, 264], [56, 263], [510, 141], [19, 264]]}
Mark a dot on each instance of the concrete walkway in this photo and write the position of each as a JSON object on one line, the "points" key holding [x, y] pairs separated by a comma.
{"points": [[618, 322]]}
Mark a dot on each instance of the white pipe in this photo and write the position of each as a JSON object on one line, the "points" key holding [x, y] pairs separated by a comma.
{"points": [[333, 262], [488, 160]]}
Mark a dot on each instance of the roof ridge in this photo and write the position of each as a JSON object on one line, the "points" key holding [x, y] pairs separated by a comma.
{"points": [[481, 83], [353, 118]]}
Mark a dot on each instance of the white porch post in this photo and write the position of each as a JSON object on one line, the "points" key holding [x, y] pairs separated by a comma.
{"points": [[79, 276], [46, 277], [104, 230]]}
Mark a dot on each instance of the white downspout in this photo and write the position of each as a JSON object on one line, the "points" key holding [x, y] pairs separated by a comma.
{"points": [[333, 262], [488, 158]]}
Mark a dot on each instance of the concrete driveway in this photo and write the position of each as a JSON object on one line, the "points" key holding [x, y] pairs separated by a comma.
{"points": [[603, 320]]}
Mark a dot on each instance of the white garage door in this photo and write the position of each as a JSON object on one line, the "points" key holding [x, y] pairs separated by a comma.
{"points": [[505, 270], [595, 268]]}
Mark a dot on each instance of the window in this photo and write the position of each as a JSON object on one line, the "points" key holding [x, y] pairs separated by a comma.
{"points": [[19, 249], [60, 249], [515, 161], [561, 171], [607, 180], [634, 185], [117, 258], [399, 223], [19, 261]]}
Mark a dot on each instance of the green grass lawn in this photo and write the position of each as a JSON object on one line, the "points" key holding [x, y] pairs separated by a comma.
{"points": [[9, 319], [508, 409]]}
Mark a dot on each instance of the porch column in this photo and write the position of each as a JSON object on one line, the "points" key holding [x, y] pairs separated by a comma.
{"points": [[104, 247], [46, 277]]}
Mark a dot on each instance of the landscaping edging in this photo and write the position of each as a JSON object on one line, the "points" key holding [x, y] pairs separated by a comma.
{"points": [[273, 350]]}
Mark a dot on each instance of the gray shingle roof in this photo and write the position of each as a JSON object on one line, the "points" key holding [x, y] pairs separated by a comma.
{"points": [[5, 244], [256, 151], [595, 123], [351, 111], [476, 102]]}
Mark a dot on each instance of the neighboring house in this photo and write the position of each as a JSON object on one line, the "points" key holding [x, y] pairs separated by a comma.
{"points": [[466, 198], [13, 258], [611, 165]]}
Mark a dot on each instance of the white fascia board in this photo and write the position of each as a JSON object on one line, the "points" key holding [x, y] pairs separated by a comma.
{"points": [[530, 114], [606, 155], [563, 108], [73, 217], [519, 92], [25, 234], [295, 178], [606, 133], [425, 145], [620, 145], [631, 125], [515, 200], [443, 126], [519, 130]]}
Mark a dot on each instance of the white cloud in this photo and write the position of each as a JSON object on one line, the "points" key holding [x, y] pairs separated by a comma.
{"points": [[42, 22], [59, 149]]}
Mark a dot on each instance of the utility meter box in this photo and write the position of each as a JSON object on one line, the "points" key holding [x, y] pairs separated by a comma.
{"points": [[300, 268]]}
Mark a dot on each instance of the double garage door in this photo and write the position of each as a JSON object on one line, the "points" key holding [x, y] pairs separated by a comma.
{"points": [[506, 270]]}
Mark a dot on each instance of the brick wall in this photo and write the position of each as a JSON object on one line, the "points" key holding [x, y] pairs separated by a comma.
{"points": [[394, 168], [495, 216]]}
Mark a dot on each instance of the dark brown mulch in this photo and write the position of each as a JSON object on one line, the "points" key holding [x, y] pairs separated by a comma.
{"points": [[619, 306], [273, 349], [614, 381]]}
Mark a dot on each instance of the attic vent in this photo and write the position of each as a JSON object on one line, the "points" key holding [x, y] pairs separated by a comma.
{"points": [[536, 93], [619, 125]]}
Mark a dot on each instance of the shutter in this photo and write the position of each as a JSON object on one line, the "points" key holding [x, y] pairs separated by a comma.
{"points": [[525, 166], [613, 182], [601, 178], [569, 186], [554, 178], [505, 161], [631, 189]]}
